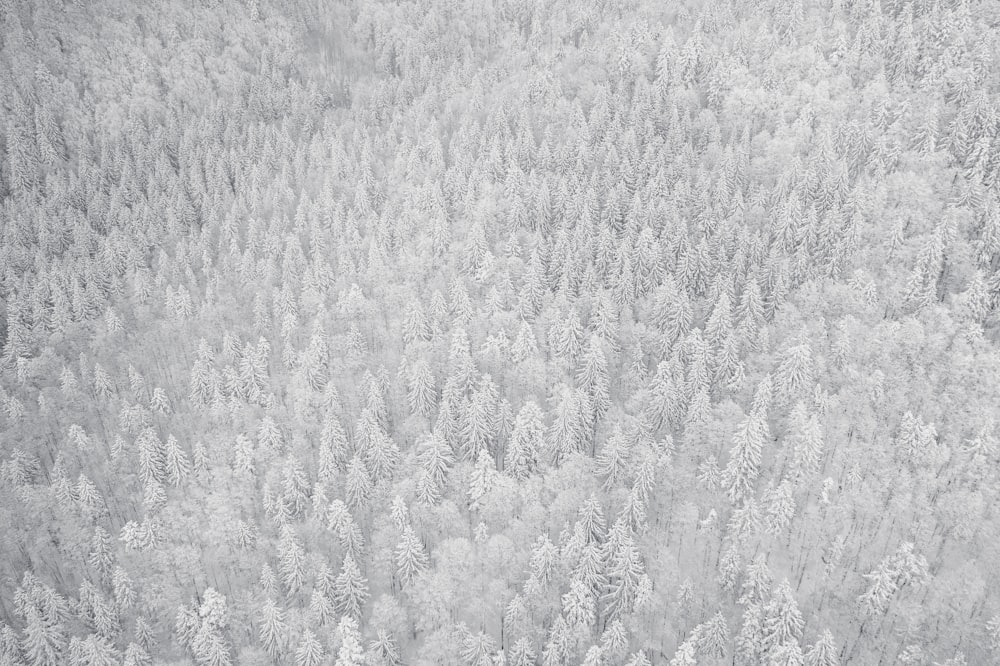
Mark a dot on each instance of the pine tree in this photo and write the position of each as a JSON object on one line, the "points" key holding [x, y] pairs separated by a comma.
{"points": [[614, 641], [593, 657], [806, 442], [614, 459], [477, 427], [543, 559], [762, 396], [201, 462], [93, 651], [779, 506], [566, 338], [310, 651], [795, 371], [244, 458], [340, 521], [786, 654], [750, 640], [422, 394], [101, 554], [208, 642], [152, 458], [359, 483], [592, 521], [782, 619], [10, 648], [125, 595], [384, 650], [592, 377], [527, 440], [435, 458], [136, 655], [521, 653], [159, 401], [590, 568], [557, 648], [568, 430], [578, 605], [201, 382], [144, 633], [525, 346], [316, 360], [350, 589], [709, 474], [415, 324], [410, 556], [481, 481], [823, 652], [720, 323], [320, 608], [44, 640], [478, 649], [639, 659], [272, 630], [292, 560], [713, 637], [176, 462], [757, 583], [269, 436], [686, 654], [744, 460], [381, 457], [625, 568], [350, 652], [333, 451], [729, 568]]}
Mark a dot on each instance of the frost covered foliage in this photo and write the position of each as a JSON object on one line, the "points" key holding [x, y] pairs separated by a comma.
{"points": [[385, 332]]}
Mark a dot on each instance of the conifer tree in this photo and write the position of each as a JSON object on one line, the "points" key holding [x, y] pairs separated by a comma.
{"points": [[795, 371], [578, 605], [592, 377], [125, 595], [482, 478], [359, 483], [614, 459], [292, 560], [310, 651], [713, 637], [823, 652], [625, 568], [744, 462], [316, 360], [176, 462], [384, 649], [208, 642], [410, 556], [782, 619], [350, 589], [350, 652], [750, 639], [136, 655], [478, 649], [526, 442], [757, 582], [43, 640], [521, 653], [101, 554], [272, 629], [568, 430], [421, 395]]}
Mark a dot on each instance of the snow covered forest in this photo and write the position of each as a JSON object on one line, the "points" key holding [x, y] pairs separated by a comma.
{"points": [[482, 332]]}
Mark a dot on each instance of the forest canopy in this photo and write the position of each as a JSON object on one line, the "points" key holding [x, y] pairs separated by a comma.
{"points": [[383, 332]]}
